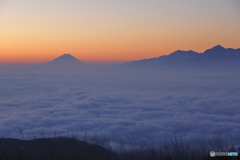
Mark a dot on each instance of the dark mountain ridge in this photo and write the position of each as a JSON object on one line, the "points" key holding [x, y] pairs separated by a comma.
{"points": [[217, 57], [221, 50]]}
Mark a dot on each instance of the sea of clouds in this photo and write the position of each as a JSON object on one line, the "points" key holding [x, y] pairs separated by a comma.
{"points": [[120, 106]]}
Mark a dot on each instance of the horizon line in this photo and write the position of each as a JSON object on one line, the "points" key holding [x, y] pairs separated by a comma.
{"points": [[98, 62]]}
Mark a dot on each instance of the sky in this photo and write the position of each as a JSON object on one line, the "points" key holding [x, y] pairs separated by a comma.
{"points": [[106, 31]]}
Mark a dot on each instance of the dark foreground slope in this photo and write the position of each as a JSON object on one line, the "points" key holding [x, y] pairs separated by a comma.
{"points": [[62, 148], [50, 148]]}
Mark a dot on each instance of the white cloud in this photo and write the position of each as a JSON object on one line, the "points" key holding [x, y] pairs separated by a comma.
{"points": [[137, 106]]}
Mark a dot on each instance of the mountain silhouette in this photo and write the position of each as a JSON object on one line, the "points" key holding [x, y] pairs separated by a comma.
{"points": [[66, 61], [217, 57], [183, 55], [221, 50]]}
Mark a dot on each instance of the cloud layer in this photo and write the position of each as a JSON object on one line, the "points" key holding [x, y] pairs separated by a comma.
{"points": [[142, 107]]}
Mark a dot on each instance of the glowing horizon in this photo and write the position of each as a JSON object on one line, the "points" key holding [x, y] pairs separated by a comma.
{"points": [[113, 31]]}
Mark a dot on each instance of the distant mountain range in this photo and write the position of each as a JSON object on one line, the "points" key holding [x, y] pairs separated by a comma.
{"points": [[217, 57]]}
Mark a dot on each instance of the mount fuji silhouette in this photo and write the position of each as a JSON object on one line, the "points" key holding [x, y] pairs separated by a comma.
{"points": [[216, 58], [65, 61]]}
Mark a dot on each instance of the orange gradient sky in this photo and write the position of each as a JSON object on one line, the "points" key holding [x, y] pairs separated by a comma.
{"points": [[107, 31]]}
